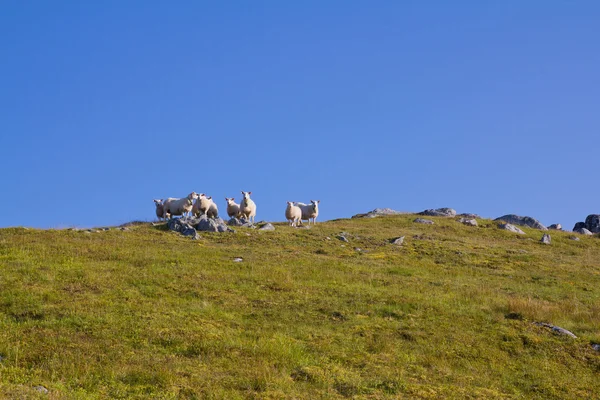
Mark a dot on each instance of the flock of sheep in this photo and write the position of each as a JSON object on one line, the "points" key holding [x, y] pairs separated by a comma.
{"points": [[295, 212]]}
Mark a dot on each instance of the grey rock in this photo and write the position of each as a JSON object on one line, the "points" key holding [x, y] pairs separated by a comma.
{"points": [[183, 226], [582, 231], [234, 222], [596, 346], [423, 221], [546, 239], [439, 212], [238, 259], [555, 227], [557, 329], [206, 224], [522, 221], [592, 223], [40, 389], [468, 221], [343, 238], [468, 215], [267, 227], [574, 238], [398, 241], [578, 225], [378, 212], [511, 228]]}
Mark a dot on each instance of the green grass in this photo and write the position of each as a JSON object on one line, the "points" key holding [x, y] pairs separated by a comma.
{"points": [[147, 313]]}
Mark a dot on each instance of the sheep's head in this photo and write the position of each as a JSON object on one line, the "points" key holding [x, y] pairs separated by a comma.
{"points": [[158, 202], [229, 200], [192, 196], [246, 195], [201, 196], [315, 204], [290, 203]]}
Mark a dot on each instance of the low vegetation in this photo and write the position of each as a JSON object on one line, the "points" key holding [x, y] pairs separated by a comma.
{"points": [[146, 313]]}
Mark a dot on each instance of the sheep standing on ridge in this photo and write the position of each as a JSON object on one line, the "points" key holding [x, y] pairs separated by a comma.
{"points": [[293, 214], [173, 206], [205, 205], [247, 207], [310, 210], [233, 209], [159, 209]]}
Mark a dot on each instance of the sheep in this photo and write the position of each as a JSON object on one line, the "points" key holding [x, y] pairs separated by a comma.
{"points": [[233, 209], [173, 206], [205, 205], [310, 210], [159, 208], [293, 214], [247, 207]]}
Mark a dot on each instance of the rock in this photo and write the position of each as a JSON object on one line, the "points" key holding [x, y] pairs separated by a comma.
{"points": [[468, 221], [556, 227], [592, 223], [358, 249], [40, 389], [267, 227], [423, 221], [234, 222], [124, 228], [574, 238], [545, 239], [582, 231], [578, 226], [439, 212], [343, 238], [183, 226], [238, 259], [378, 212], [397, 241], [557, 329], [511, 228], [206, 224], [522, 221], [467, 215], [596, 346]]}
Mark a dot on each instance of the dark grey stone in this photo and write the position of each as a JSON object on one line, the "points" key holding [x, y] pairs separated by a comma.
{"points": [[423, 221], [40, 389], [578, 225], [583, 231], [267, 227], [592, 223], [557, 329], [439, 212], [596, 346], [522, 221], [546, 239], [206, 224], [234, 222], [555, 227], [468, 215], [511, 228], [343, 238]]}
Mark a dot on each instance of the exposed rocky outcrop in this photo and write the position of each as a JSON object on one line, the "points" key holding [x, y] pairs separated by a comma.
{"points": [[184, 226], [592, 224], [522, 221], [469, 215], [511, 228], [206, 224], [423, 221], [555, 227], [468, 221], [583, 231], [378, 212], [439, 212], [546, 239]]}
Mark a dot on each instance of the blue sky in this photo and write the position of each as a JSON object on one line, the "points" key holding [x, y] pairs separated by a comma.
{"points": [[485, 107]]}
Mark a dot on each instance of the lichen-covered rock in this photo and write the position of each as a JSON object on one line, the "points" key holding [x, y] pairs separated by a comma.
{"points": [[522, 221], [468, 221], [183, 226], [545, 239], [511, 228], [206, 224], [439, 212]]}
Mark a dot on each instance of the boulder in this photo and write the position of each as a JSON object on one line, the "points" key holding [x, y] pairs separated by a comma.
{"points": [[206, 224], [556, 227], [267, 227], [397, 241], [522, 221], [511, 228], [468, 215], [545, 239], [234, 222], [583, 231], [423, 221], [578, 225], [468, 221], [183, 226], [439, 212], [592, 223], [378, 212]]}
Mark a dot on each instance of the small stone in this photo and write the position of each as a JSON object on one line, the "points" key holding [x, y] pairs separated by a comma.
{"points": [[238, 259], [546, 239], [343, 238], [327, 238], [468, 221], [358, 249], [398, 241], [583, 231], [511, 228], [596, 346], [574, 238], [40, 389], [423, 221], [267, 227]]}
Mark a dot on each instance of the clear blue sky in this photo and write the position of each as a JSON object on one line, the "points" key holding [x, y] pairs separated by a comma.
{"points": [[485, 107]]}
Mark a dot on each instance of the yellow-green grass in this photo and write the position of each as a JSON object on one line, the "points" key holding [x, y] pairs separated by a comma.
{"points": [[147, 313]]}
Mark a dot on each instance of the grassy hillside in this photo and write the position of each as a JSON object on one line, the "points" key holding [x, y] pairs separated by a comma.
{"points": [[150, 314]]}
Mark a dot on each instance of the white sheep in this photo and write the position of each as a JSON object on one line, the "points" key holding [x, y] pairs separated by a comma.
{"points": [[205, 205], [233, 209], [159, 208], [173, 206], [247, 207], [310, 210], [293, 214]]}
